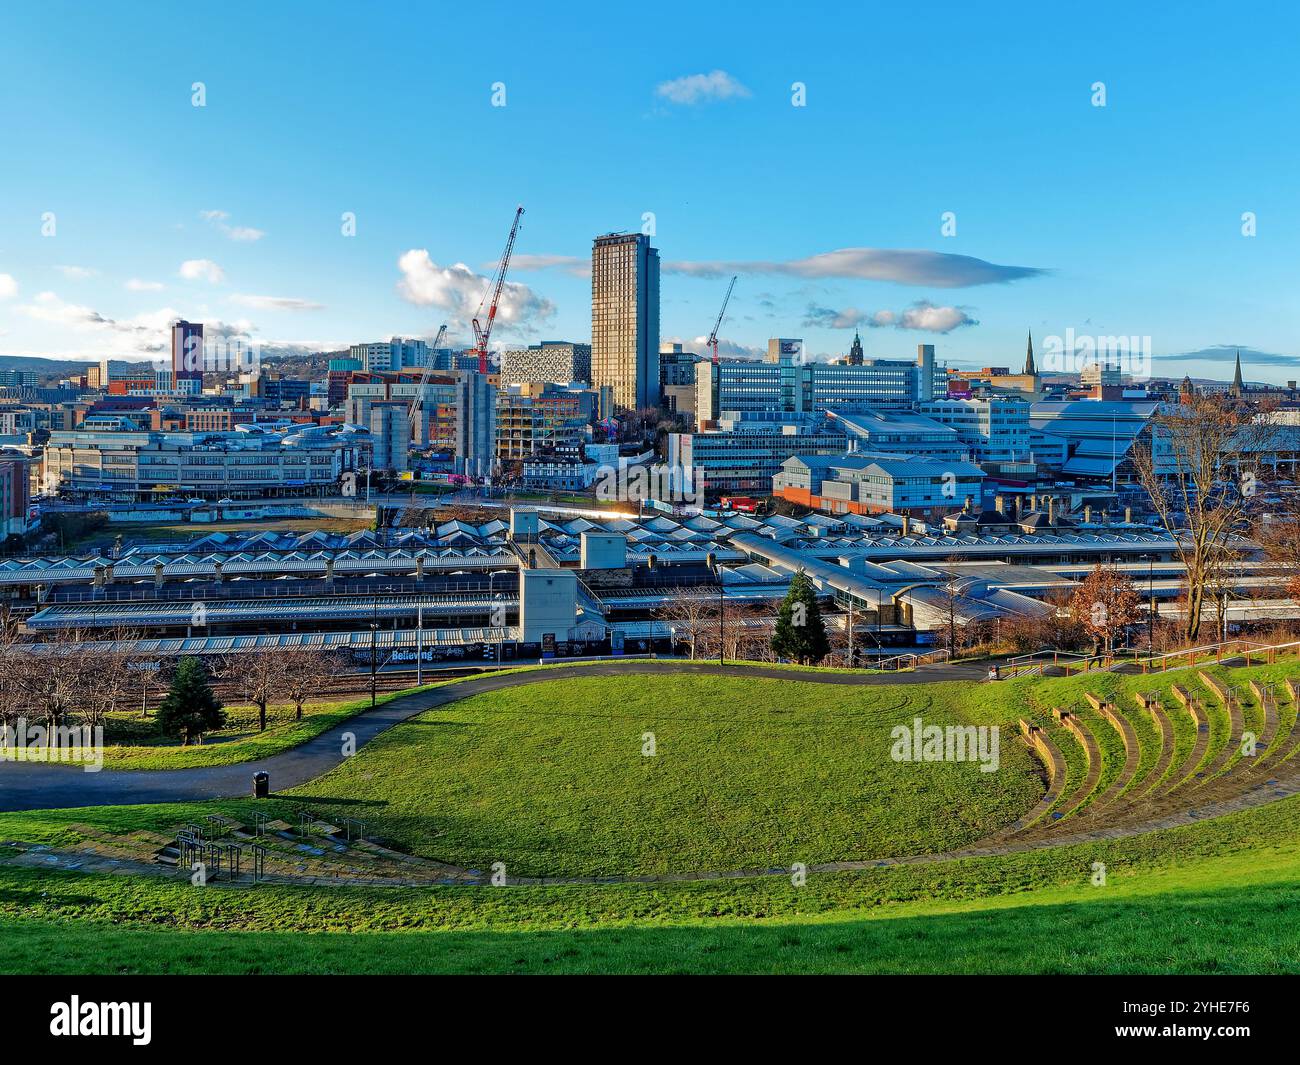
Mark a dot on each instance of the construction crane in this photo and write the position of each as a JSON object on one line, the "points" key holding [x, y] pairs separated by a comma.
{"points": [[417, 400], [482, 333], [713, 337]]}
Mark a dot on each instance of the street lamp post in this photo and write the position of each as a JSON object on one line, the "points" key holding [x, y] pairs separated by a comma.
{"points": [[502, 635], [419, 644], [722, 606], [1151, 602], [374, 653]]}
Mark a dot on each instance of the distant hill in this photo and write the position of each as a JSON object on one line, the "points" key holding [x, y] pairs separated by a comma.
{"points": [[49, 367], [290, 363]]}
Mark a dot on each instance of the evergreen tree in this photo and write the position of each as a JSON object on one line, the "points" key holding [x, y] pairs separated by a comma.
{"points": [[190, 707], [800, 632]]}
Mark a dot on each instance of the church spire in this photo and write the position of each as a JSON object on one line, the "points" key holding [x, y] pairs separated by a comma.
{"points": [[1237, 386], [855, 352], [1030, 369]]}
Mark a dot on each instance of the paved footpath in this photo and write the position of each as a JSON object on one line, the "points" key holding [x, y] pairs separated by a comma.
{"points": [[38, 786]]}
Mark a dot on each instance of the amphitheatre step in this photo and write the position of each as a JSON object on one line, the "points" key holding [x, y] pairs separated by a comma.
{"points": [[1132, 754], [1288, 742], [1187, 770], [1275, 745], [1235, 785], [1268, 703], [1232, 703], [1152, 704], [1091, 756], [1054, 762]]}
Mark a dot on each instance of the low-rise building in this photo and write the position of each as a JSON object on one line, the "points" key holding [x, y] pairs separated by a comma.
{"points": [[136, 465], [744, 452], [916, 486], [553, 473]]}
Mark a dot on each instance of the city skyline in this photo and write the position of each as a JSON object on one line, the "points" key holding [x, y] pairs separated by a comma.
{"points": [[833, 213]]}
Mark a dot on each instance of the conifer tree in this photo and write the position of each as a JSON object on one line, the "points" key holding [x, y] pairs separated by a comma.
{"points": [[190, 707], [800, 632]]}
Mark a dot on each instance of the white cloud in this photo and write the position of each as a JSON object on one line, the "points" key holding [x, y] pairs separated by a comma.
{"points": [[830, 318], [8, 286], [922, 316], [276, 303], [726, 348], [76, 273], [240, 233], [458, 290], [931, 319], [144, 334], [701, 88], [136, 285], [570, 264], [202, 270], [901, 266]]}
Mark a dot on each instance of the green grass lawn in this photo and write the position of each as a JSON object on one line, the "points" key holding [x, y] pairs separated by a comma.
{"points": [[133, 742], [749, 773], [1212, 897], [550, 778]]}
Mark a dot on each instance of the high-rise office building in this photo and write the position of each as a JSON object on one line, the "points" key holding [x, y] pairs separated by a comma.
{"points": [[476, 424], [390, 435], [625, 318], [187, 350]]}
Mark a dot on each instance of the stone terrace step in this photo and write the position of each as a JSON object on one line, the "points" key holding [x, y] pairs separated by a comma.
{"points": [[1132, 754], [1092, 759], [1231, 748], [1039, 742], [1194, 757]]}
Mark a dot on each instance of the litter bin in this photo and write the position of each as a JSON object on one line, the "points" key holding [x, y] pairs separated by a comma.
{"points": [[261, 785]]}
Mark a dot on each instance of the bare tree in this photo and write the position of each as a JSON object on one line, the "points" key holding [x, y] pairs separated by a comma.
{"points": [[52, 685], [953, 591], [1199, 464], [13, 656], [307, 672], [693, 616], [113, 679], [749, 633], [259, 674]]}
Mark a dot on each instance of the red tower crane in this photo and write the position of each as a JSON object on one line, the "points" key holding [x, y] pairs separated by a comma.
{"points": [[482, 333], [713, 337]]}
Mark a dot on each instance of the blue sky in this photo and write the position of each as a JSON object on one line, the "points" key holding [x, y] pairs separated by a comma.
{"points": [[1124, 219]]}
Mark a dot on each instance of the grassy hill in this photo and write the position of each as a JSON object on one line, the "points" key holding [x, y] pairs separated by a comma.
{"points": [[748, 773]]}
